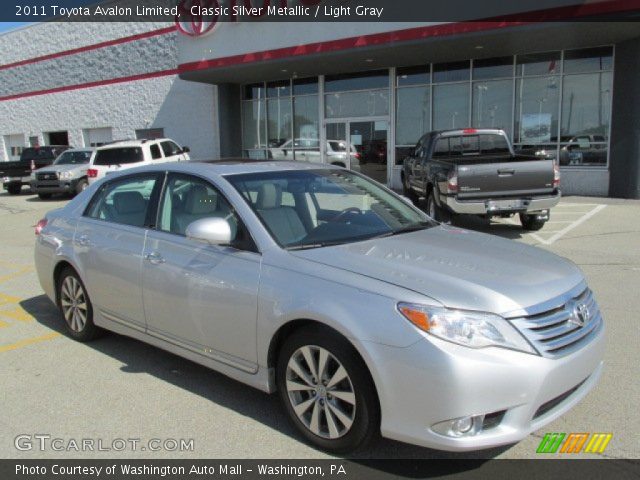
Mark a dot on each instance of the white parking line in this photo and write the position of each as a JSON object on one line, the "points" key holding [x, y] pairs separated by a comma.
{"points": [[559, 234]]}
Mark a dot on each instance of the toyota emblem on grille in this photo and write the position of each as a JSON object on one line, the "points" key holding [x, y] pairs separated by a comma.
{"points": [[580, 314]]}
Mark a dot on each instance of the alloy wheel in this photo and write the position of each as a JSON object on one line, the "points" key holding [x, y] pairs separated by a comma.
{"points": [[74, 304], [321, 392]]}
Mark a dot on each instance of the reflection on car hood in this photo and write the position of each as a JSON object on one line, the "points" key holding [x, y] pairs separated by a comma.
{"points": [[63, 168], [459, 268]]}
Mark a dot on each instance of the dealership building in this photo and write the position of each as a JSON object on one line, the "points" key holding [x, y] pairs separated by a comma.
{"points": [[306, 90]]}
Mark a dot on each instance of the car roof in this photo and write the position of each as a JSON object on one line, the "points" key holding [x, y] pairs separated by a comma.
{"points": [[132, 142], [230, 166], [80, 149]]}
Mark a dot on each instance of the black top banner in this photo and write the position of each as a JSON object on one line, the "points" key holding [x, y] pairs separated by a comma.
{"points": [[205, 12]]}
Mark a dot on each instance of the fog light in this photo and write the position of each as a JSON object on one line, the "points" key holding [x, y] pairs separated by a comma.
{"points": [[460, 427]]}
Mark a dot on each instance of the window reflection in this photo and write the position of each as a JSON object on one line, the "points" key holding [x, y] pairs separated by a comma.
{"points": [[450, 106], [537, 109], [492, 105]]}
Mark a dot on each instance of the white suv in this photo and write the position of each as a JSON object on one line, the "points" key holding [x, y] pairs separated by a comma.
{"points": [[125, 154]]}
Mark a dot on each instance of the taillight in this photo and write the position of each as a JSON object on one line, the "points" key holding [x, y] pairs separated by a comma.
{"points": [[467, 131], [356, 155], [40, 225], [556, 176], [92, 173], [452, 182]]}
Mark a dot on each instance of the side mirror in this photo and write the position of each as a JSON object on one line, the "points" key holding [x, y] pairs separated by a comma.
{"points": [[213, 230], [186, 149]]}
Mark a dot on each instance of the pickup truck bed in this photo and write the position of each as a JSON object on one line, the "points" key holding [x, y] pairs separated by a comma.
{"points": [[475, 171]]}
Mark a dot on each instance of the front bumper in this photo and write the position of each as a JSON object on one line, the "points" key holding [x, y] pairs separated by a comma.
{"points": [[483, 207], [54, 186], [6, 181], [434, 381]]}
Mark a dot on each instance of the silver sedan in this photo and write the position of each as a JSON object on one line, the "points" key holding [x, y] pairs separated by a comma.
{"points": [[365, 315]]}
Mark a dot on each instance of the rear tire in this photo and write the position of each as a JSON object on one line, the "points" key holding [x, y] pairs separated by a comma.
{"points": [[434, 211], [76, 308], [44, 196], [337, 408], [14, 189], [531, 222]]}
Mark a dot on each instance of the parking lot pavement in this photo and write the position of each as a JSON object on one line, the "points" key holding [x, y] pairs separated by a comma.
{"points": [[117, 388]]}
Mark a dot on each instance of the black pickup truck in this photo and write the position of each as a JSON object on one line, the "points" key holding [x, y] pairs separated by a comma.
{"points": [[16, 174], [475, 171]]}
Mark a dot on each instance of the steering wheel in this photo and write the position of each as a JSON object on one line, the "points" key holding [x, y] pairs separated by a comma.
{"points": [[339, 217]]}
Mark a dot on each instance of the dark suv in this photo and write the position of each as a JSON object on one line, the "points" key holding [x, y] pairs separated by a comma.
{"points": [[16, 174]]}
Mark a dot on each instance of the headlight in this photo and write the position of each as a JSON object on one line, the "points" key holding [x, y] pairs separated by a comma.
{"points": [[65, 175], [467, 328]]}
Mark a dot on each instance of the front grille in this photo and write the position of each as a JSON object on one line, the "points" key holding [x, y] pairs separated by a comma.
{"points": [[554, 402], [47, 176], [562, 330]]}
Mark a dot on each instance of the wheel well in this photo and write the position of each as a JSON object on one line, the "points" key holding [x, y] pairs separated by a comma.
{"points": [[56, 275]]}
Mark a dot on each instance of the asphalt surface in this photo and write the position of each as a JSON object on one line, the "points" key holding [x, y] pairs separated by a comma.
{"points": [[119, 388]]}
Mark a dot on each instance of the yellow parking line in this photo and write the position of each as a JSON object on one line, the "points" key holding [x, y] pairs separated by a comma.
{"points": [[29, 341], [11, 276]]}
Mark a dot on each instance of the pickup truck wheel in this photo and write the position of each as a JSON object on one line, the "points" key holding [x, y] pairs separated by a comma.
{"points": [[81, 186], [76, 308], [14, 189], [327, 390], [44, 196], [531, 222], [434, 211]]}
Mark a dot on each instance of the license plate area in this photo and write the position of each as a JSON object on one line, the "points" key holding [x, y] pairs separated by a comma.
{"points": [[507, 205]]}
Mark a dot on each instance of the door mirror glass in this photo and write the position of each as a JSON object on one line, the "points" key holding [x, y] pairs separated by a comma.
{"points": [[212, 230]]}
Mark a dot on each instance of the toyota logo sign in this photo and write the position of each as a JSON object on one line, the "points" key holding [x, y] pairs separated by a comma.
{"points": [[196, 25]]}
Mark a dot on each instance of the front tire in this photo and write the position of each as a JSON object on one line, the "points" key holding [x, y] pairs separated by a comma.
{"points": [[434, 211], [408, 192], [327, 390], [531, 222], [14, 189], [76, 308], [81, 186]]}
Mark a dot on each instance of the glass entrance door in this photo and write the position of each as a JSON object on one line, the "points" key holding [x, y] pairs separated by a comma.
{"points": [[360, 145]]}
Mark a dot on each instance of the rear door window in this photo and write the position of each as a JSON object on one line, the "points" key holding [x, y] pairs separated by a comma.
{"points": [[155, 152], [170, 149]]}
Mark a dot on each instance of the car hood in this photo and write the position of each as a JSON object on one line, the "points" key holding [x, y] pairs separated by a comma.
{"points": [[64, 168], [457, 267]]}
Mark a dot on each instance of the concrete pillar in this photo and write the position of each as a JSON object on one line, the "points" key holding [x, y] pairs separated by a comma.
{"points": [[624, 159], [229, 120]]}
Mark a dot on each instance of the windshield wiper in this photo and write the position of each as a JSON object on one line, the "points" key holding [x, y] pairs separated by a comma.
{"points": [[414, 227], [306, 246]]}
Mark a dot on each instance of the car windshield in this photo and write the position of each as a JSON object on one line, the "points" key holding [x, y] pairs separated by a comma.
{"points": [[73, 158], [118, 156], [317, 208]]}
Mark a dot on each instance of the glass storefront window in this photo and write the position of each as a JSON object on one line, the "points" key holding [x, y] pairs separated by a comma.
{"points": [[357, 104], [306, 127], [588, 60], [538, 64], [492, 104], [254, 131], [253, 91], [357, 81], [450, 106], [305, 86], [413, 114], [281, 88], [485, 68], [279, 121], [413, 75], [451, 72], [537, 109]]}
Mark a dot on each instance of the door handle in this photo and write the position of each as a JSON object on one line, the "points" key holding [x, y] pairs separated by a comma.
{"points": [[506, 171], [154, 258], [83, 241]]}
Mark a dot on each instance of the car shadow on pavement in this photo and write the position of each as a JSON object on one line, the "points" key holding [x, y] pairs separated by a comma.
{"points": [[138, 357]]}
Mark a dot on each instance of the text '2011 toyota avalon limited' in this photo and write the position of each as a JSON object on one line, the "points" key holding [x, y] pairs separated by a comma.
{"points": [[364, 314]]}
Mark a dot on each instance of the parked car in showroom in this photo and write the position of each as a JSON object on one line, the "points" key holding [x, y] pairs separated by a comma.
{"points": [[476, 172], [17, 174], [308, 150], [125, 154], [68, 174], [363, 313]]}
